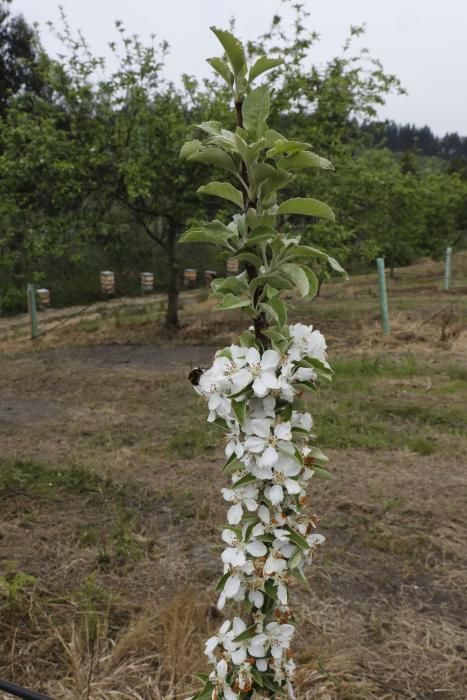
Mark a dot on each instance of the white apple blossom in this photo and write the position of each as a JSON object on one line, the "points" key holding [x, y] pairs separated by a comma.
{"points": [[276, 638], [273, 443], [235, 553], [259, 370], [283, 471], [240, 497], [218, 680], [266, 444]]}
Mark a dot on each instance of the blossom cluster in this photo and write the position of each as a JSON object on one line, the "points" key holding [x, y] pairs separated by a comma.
{"points": [[257, 398]]}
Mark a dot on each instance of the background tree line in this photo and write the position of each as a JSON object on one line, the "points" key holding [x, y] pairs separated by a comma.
{"points": [[90, 175]]}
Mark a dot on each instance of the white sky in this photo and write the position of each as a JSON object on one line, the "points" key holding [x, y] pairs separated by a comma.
{"points": [[424, 42]]}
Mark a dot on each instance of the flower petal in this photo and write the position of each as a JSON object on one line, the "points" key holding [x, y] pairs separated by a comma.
{"points": [[235, 512], [257, 549]]}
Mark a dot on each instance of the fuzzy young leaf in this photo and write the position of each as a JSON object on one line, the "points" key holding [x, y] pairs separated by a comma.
{"points": [[312, 281], [213, 232], [222, 69], [298, 276], [304, 159], [234, 50], [282, 145], [229, 284], [306, 207], [280, 310], [256, 110], [247, 339], [224, 190], [262, 65], [230, 301], [214, 156], [189, 148]]}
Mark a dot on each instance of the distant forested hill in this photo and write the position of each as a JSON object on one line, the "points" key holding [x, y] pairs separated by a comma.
{"points": [[421, 140]]}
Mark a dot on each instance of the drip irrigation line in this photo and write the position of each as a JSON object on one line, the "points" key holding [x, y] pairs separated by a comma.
{"points": [[20, 692]]}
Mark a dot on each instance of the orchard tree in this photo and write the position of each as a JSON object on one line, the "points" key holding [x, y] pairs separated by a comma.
{"points": [[20, 56], [254, 388]]}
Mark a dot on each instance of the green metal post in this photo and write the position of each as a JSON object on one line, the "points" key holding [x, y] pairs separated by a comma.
{"points": [[447, 269], [33, 310], [383, 297]]}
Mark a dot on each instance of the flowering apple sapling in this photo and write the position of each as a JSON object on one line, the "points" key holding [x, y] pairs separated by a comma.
{"points": [[254, 389]]}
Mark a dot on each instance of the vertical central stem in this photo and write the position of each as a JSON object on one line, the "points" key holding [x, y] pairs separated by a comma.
{"points": [[260, 322]]}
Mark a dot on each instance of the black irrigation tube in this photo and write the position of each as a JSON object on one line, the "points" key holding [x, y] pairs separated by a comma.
{"points": [[20, 692]]}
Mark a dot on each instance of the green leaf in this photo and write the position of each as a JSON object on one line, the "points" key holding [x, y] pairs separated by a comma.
{"points": [[274, 280], [229, 284], [306, 251], [224, 190], [239, 408], [306, 207], [214, 156], [271, 590], [312, 281], [259, 234], [206, 692], [230, 301], [295, 559], [254, 220], [222, 69], [280, 179], [247, 339], [297, 539], [234, 50], [321, 472], [247, 479], [262, 65], [249, 633], [305, 159], [232, 465], [189, 148], [212, 232], [221, 584], [298, 276], [256, 110], [282, 145], [270, 685], [299, 575], [257, 676], [249, 257], [202, 676], [337, 267], [317, 454], [261, 172], [279, 309]]}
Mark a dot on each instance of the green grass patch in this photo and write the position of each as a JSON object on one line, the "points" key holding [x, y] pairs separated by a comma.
{"points": [[39, 478], [362, 407], [194, 441]]}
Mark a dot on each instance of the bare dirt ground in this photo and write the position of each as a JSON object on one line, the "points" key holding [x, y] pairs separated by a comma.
{"points": [[110, 506]]}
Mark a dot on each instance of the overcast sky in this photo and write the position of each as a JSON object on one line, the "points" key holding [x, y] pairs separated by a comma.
{"points": [[424, 42]]}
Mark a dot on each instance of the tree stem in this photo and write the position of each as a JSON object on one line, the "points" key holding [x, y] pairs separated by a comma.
{"points": [[260, 322]]}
